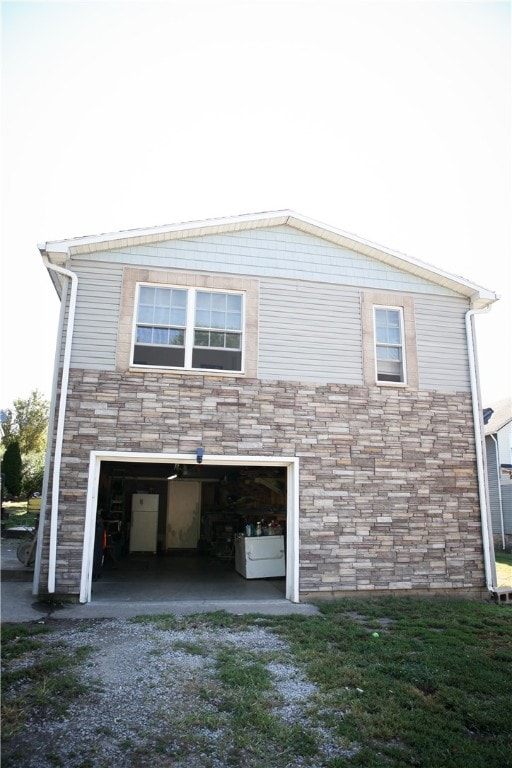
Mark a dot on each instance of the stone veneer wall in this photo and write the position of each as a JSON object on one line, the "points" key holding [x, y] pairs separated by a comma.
{"points": [[388, 488]]}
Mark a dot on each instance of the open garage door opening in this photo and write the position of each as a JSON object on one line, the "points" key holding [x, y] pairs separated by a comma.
{"points": [[182, 530]]}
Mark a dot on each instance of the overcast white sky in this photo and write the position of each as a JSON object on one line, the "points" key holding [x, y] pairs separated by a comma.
{"points": [[390, 120]]}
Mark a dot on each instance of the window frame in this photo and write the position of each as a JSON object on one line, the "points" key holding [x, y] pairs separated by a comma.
{"points": [[189, 329], [394, 300], [401, 345]]}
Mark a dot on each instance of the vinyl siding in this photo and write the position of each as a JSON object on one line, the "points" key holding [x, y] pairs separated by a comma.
{"points": [[309, 330], [97, 312], [281, 252], [493, 481], [441, 343], [506, 496]]}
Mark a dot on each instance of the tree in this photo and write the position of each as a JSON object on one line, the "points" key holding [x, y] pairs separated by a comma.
{"points": [[32, 473], [26, 426], [27, 423], [11, 468]]}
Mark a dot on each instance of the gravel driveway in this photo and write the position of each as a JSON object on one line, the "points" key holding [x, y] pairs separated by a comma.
{"points": [[154, 698]]}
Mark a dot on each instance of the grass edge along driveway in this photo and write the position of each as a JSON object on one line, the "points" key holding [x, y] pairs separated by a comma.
{"points": [[398, 682]]}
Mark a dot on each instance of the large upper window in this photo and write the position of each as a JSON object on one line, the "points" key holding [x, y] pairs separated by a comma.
{"points": [[188, 328], [389, 344]]}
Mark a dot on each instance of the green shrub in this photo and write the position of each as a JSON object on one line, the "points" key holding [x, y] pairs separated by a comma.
{"points": [[12, 468]]}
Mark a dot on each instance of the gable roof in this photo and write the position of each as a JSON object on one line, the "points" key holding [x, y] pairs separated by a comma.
{"points": [[59, 251], [500, 417]]}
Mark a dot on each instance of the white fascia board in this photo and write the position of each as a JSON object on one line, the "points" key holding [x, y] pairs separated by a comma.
{"points": [[196, 227], [480, 297]]}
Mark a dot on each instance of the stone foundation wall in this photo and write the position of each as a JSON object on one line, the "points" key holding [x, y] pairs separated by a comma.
{"points": [[388, 484]]}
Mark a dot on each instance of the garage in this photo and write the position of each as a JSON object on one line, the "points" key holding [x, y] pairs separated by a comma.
{"points": [[191, 527]]}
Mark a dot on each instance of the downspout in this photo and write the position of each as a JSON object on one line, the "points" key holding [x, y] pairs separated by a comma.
{"points": [[49, 447], [500, 499], [490, 570], [59, 438]]}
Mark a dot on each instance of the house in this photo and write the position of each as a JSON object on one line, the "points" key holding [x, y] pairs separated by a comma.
{"points": [[265, 374], [498, 445]]}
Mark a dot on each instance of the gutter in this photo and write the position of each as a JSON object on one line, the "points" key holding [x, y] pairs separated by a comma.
{"points": [[59, 438], [490, 568]]}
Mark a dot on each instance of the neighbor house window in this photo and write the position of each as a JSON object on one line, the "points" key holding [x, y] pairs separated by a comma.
{"points": [[188, 328], [389, 344]]}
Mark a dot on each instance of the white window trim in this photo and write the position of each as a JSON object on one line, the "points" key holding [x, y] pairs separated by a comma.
{"points": [[400, 311], [192, 292]]}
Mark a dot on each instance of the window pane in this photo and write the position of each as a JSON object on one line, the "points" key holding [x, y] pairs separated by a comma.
{"points": [[219, 301], [144, 335], [217, 359], [203, 300], [216, 339], [233, 340], [389, 353], [381, 333], [178, 316], [234, 303], [394, 335], [161, 316], [176, 337], [234, 321], [202, 318], [218, 320], [170, 357], [201, 339], [147, 295], [145, 314], [163, 297], [160, 336], [179, 299]]}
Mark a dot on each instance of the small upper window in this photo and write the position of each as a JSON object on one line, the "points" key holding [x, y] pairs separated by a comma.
{"points": [[389, 344], [188, 328]]}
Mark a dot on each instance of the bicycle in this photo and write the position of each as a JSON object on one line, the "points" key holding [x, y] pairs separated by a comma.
{"points": [[26, 551]]}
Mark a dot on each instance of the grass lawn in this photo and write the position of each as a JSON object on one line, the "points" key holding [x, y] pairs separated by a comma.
{"points": [[504, 569], [396, 682], [18, 514]]}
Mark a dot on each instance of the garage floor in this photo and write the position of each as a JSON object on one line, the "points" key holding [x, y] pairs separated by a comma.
{"points": [[155, 579]]}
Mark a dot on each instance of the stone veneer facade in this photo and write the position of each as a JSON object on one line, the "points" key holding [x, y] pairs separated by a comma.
{"points": [[388, 482]]}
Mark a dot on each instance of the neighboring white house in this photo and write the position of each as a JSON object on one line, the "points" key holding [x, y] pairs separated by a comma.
{"points": [[498, 441]]}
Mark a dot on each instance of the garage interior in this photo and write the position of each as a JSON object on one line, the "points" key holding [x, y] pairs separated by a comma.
{"points": [[190, 532]]}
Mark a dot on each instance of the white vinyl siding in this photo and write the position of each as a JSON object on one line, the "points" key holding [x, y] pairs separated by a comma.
{"points": [[441, 343], [97, 314], [309, 332]]}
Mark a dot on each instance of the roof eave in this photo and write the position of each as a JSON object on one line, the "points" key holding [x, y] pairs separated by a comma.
{"points": [[61, 250]]}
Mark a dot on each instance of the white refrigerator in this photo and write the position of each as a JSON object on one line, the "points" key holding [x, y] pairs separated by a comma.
{"points": [[259, 557], [144, 523]]}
